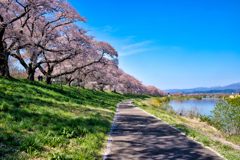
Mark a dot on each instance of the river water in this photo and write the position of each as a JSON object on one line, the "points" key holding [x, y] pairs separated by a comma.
{"points": [[205, 105]]}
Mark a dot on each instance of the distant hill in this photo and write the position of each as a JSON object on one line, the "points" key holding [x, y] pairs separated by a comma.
{"points": [[232, 88], [226, 91]]}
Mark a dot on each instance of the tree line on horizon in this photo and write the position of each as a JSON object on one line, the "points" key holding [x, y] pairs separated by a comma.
{"points": [[43, 36]]}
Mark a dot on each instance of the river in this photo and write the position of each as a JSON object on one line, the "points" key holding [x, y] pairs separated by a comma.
{"points": [[205, 105]]}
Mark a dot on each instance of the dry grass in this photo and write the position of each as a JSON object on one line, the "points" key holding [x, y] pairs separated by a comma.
{"points": [[203, 126]]}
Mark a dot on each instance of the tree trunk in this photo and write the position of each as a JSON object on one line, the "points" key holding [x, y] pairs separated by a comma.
{"points": [[31, 76], [31, 72], [4, 69], [101, 88], [68, 80], [47, 79]]}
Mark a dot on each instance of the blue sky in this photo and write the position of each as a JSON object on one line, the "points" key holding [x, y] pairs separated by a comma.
{"points": [[170, 43]]}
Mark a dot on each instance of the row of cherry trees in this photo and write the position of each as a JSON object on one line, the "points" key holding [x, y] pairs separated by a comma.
{"points": [[42, 35]]}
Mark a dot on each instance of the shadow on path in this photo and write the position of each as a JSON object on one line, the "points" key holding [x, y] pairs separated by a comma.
{"points": [[137, 135]]}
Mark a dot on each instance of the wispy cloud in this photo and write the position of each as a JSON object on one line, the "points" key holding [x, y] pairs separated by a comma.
{"points": [[135, 51], [135, 48], [109, 29], [130, 38], [125, 46], [135, 45]]}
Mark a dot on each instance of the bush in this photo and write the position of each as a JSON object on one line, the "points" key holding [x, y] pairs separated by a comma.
{"points": [[158, 101], [205, 118], [155, 102], [234, 101], [226, 96], [198, 97], [168, 108], [227, 117], [167, 99], [4, 106]]}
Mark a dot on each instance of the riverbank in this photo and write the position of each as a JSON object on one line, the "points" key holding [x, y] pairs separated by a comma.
{"points": [[222, 113], [185, 97], [195, 129]]}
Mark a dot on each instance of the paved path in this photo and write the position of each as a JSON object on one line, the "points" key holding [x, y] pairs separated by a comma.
{"points": [[137, 135]]}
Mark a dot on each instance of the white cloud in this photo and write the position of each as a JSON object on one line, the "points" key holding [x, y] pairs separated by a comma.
{"points": [[135, 45], [135, 48], [135, 51], [124, 46], [109, 29], [129, 38]]}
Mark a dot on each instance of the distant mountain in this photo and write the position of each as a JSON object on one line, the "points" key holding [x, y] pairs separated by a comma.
{"points": [[226, 91], [232, 88]]}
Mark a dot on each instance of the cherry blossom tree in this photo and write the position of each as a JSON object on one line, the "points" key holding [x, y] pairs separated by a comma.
{"points": [[134, 86], [44, 34], [104, 76], [130, 83], [14, 15], [178, 94], [92, 53], [152, 90]]}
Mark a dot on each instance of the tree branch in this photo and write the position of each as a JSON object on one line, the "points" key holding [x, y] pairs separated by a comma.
{"points": [[70, 72], [19, 57]]}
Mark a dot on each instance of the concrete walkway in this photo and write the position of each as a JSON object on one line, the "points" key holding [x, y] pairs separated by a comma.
{"points": [[137, 135]]}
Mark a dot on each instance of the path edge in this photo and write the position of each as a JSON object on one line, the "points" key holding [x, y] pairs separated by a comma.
{"points": [[110, 139], [184, 134]]}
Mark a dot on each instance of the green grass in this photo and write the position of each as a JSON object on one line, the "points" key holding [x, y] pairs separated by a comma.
{"points": [[234, 139], [177, 122], [41, 121], [184, 98]]}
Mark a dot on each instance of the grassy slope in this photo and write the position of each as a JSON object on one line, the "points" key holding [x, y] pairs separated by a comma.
{"points": [[227, 151], [42, 121]]}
